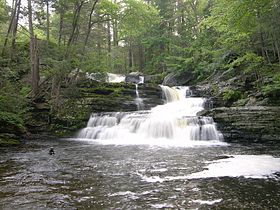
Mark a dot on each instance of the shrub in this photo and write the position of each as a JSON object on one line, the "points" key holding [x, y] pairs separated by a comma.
{"points": [[231, 95]]}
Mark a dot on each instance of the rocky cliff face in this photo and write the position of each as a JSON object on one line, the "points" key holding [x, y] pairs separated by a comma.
{"points": [[85, 97], [256, 123]]}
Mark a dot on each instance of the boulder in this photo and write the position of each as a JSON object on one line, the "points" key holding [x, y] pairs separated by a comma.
{"points": [[174, 79], [132, 79], [155, 79]]}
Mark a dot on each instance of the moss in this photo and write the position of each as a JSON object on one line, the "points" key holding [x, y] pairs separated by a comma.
{"points": [[8, 140], [231, 95], [241, 102]]}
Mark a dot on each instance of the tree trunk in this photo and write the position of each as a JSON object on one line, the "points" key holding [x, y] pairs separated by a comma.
{"points": [[109, 36], [99, 39], [115, 30], [89, 23], [61, 25], [276, 47], [10, 26], [115, 33], [34, 60], [141, 58], [15, 28], [76, 17], [48, 21], [278, 51], [130, 56]]}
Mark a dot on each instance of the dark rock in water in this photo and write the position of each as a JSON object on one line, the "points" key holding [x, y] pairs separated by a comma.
{"points": [[51, 151], [151, 95], [223, 157], [174, 79], [132, 78], [252, 124]]}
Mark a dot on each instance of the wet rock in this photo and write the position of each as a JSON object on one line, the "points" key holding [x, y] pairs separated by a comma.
{"points": [[133, 79], [174, 79], [93, 97], [155, 79], [252, 124]]}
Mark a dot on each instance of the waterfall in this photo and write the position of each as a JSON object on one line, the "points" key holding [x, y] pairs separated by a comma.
{"points": [[172, 123], [115, 78], [138, 100]]}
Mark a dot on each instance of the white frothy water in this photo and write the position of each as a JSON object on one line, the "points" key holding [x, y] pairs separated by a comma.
{"points": [[139, 101], [207, 202], [115, 78], [172, 124], [248, 166]]}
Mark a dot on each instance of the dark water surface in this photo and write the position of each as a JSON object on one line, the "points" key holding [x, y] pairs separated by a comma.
{"points": [[82, 175]]}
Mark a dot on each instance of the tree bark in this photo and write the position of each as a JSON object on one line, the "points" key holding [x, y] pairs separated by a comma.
{"points": [[34, 59], [61, 25], [15, 28], [48, 21], [90, 23], [99, 39], [141, 58], [115, 30], [109, 35], [10, 26], [75, 22], [115, 33], [130, 56]]}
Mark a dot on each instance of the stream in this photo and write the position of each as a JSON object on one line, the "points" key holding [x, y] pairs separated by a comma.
{"points": [[89, 175]]}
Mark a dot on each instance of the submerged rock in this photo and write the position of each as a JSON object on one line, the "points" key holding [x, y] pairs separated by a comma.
{"points": [[255, 123]]}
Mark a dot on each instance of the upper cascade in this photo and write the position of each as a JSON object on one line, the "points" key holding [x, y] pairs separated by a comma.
{"points": [[173, 123], [115, 78]]}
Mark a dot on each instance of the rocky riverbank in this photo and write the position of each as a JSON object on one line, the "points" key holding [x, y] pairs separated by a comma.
{"points": [[250, 124]]}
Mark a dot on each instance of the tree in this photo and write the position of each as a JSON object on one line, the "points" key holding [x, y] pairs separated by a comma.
{"points": [[34, 59]]}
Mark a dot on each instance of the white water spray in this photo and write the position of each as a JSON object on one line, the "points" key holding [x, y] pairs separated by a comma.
{"points": [[138, 100], [115, 78], [172, 124]]}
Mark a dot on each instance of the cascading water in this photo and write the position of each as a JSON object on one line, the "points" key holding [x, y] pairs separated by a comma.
{"points": [[138, 100], [115, 78], [174, 123]]}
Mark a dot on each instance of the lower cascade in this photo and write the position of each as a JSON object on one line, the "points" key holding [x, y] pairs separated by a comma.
{"points": [[175, 122]]}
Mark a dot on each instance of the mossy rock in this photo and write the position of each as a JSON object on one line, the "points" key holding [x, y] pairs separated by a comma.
{"points": [[7, 140]]}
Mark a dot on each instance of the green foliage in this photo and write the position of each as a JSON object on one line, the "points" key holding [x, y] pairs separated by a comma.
{"points": [[249, 62], [11, 100], [231, 95], [3, 13], [12, 108], [93, 62], [11, 119], [273, 89], [137, 18]]}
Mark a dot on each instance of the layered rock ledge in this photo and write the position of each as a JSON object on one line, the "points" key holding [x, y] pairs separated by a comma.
{"points": [[252, 124]]}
